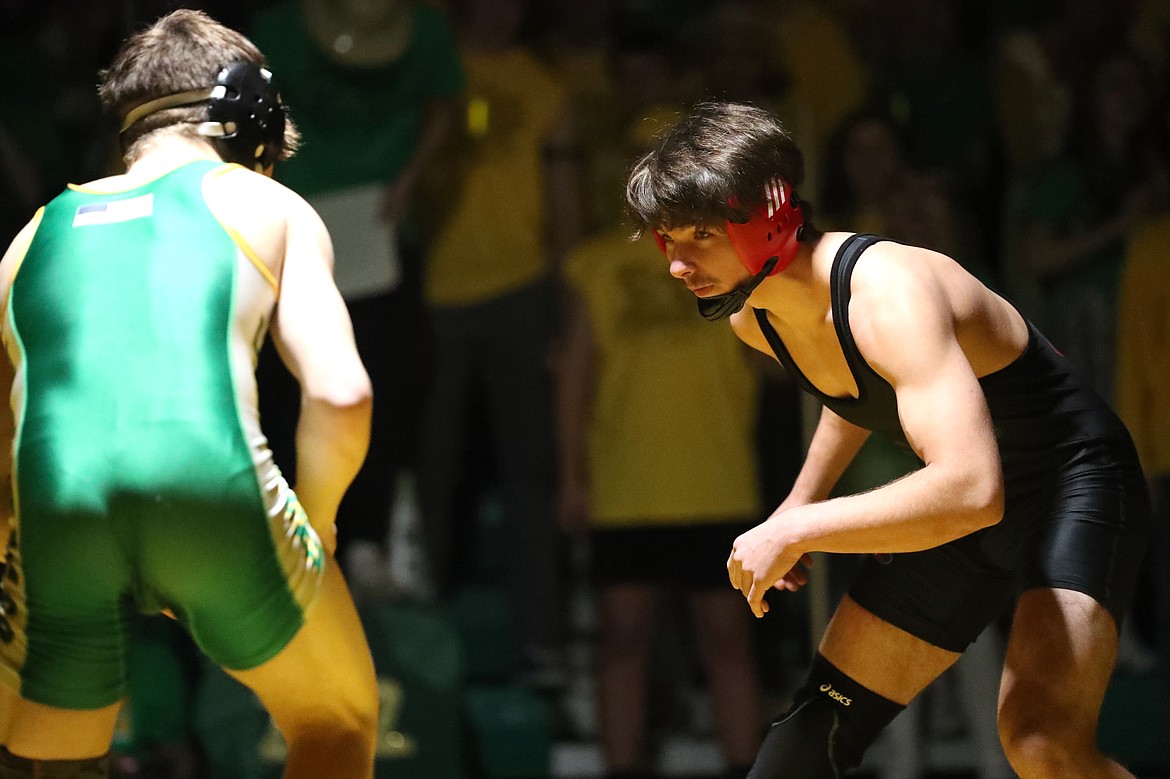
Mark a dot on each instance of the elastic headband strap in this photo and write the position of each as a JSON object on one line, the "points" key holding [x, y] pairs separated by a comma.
{"points": [[167, 101]]}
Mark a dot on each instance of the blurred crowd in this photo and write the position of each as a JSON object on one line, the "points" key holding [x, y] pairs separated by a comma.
{"points": [[547, 399]]}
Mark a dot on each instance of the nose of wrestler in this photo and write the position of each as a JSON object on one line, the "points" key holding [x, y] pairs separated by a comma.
{"points": [[683, 268]]}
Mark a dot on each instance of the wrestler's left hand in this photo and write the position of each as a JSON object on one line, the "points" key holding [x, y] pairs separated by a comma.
{"points": [[763, 558]]}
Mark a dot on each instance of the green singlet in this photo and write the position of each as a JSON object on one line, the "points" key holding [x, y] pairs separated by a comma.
{"points": [[141, 477]]}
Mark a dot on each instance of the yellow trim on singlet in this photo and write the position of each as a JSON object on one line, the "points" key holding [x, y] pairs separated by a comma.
{"points": [[22, 252], [239, 239]]}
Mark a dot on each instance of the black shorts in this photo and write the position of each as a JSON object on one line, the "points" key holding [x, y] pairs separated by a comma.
{"points": [[692, 557], [1083, 529]]}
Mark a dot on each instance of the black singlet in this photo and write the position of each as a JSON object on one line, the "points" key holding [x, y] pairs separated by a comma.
{"points": [[1076, 513], [1041, 411]]}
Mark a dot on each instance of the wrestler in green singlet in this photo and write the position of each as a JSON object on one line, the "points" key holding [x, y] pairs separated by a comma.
{"points": [[140, 468]]}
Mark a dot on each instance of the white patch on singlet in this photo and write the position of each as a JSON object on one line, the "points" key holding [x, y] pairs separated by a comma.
{"points": [[114, 211]]}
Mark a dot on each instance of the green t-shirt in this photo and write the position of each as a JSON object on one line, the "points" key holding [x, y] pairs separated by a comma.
{"points": [[358, 125]]}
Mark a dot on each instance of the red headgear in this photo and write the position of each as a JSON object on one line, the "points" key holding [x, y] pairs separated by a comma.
{"points": [[772, 230]]}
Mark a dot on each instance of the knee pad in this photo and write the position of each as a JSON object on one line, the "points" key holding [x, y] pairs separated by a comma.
{"points": [[13, 767], [831, 723]]}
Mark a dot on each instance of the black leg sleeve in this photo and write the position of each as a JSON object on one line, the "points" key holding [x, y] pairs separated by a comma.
{"points": [[833, 720]]}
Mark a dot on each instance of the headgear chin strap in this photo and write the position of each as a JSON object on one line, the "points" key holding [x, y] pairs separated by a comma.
{"points": [[716, 307], [766, 244], [245, 114]]}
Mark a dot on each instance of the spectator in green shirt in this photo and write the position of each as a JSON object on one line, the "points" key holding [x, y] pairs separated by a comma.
{"points": [[375, 87]]}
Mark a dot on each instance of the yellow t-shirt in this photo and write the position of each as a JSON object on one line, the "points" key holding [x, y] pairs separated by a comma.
{"points": [[671, 438], [1143, 346], [491, 243]]}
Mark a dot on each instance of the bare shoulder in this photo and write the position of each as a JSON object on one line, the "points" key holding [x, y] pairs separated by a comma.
{"points": [[249, 193], [901, 295], [264, 212], [896, 280]]}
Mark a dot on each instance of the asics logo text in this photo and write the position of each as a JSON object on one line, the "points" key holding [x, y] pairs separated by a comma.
{"points": [[834, 695]]}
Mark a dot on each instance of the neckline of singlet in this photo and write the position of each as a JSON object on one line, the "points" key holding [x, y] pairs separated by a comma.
{"points": [[88, 189], [839, 295]]}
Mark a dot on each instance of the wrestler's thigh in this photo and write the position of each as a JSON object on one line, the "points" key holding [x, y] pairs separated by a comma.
{"points": [[881, 657], [1060, 657], [41, 732], [326, 672]]}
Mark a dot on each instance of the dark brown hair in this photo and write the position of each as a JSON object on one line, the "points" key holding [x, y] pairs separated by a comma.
{"points": [[182, 51], [711, 168]]}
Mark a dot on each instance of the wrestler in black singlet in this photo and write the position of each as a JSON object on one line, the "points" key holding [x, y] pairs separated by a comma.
{"points": [[1076, 512]]}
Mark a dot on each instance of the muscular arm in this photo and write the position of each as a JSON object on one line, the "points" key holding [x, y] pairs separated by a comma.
{"points": [[314, 336], [904, 326]]}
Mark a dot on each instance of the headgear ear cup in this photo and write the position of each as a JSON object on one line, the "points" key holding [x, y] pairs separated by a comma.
{"points": [[246, 106], [772, 230]]}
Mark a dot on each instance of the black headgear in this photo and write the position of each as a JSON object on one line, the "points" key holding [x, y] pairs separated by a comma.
{"points": [[245, 117]]}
